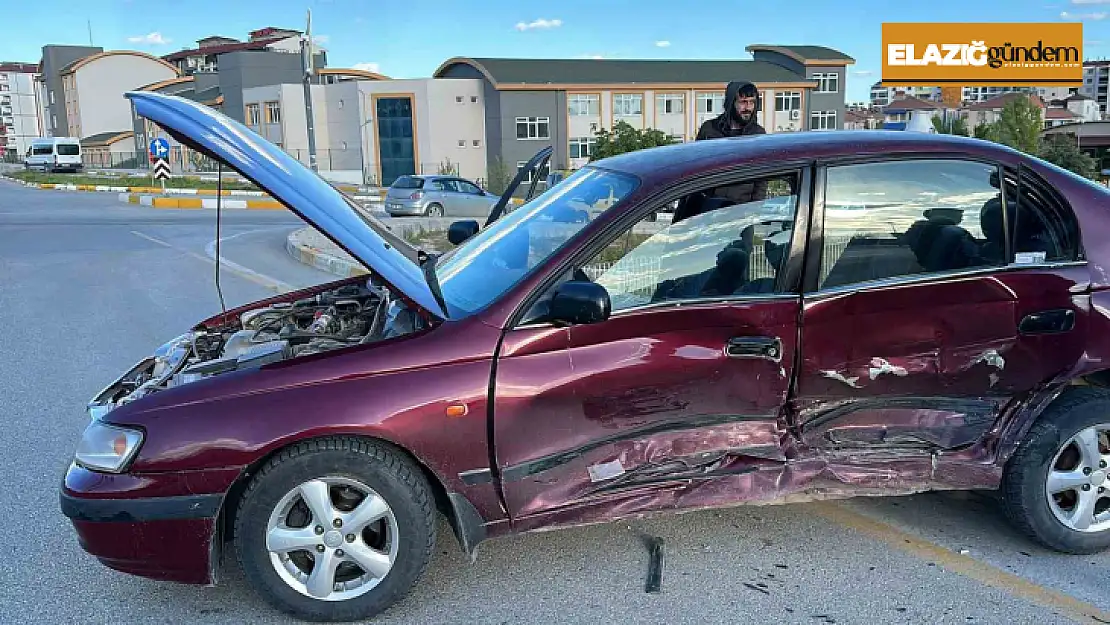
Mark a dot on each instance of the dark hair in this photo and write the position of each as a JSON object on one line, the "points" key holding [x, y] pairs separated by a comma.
{"points": [[748, 91]]}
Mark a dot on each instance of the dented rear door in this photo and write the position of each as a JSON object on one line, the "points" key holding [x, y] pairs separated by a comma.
{"points": [[917, 328]]}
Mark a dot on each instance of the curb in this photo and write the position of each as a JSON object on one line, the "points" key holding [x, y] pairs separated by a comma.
{"points": [[197, 202], [115, 189], [323, 261]]}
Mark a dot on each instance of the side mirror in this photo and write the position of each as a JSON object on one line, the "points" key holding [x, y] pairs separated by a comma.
{"points": [[580, 302], [460, 231]]}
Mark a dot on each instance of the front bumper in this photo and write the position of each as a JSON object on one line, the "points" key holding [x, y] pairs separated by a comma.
{"points": [[142, 526]]}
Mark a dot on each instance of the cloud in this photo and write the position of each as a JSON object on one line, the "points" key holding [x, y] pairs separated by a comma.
{"points": [[1083, 16], [1090, 1], [155, 39], [367, 67], [862, 72], [541, 23], [595, 57], [1093, 43], [320, 40], [662, 44]]}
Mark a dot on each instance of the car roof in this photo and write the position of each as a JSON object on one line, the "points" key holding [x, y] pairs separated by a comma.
{"points": [[663, 164]]}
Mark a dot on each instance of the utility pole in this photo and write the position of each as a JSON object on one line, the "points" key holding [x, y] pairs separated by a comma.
{"points": [[309, 71]]}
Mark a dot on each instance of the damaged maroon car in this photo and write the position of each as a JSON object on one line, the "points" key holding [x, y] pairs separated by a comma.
{"points": [[825, 315]]}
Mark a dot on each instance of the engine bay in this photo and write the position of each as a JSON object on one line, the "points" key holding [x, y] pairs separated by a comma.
{"points": [[352, 314]]}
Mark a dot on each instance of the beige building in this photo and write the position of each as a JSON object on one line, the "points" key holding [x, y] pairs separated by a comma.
{"points": [[93, 88], [369, 129]]}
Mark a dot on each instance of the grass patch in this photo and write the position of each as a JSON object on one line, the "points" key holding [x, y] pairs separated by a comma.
{"points": [[429, 240], [177, 182]]}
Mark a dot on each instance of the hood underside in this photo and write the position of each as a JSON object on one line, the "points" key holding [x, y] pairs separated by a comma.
{"points": [[296, 186]]}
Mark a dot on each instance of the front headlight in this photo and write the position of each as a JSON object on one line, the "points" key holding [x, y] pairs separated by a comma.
{"points": [[105, 447]]}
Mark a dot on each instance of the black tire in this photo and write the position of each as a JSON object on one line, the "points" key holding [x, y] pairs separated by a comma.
{"points": [[389, 472], [1023, 482], [435, 210]]}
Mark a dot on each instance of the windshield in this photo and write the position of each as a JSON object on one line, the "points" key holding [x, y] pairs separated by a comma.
{"points": [[69, 149], [477, 272]]}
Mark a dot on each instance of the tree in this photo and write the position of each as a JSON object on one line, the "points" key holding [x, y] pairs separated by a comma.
{"points": [[1061, 151], [498, 177], [988, 132], [624, 138], [1020, 125], [950, 126]]}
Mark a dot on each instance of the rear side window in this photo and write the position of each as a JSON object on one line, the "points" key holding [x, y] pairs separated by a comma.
{"points": [[39, 150], [1042, 227], [907, 218], [409, 182], [69, 149]]}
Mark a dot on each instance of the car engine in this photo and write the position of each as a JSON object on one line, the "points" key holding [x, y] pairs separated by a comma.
{"points": [[349, 315]]}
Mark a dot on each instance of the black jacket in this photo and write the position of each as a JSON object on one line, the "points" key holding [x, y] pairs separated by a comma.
{"points": [[720, 127]]}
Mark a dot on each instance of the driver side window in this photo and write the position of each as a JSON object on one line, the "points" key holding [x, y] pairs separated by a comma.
{"points": [[727, 242]]}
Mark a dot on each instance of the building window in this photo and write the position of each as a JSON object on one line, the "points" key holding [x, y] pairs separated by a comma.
{"points": [[669, 103], [583, 104], [581, 147], [711, 102], [473, 99], [462, 143], [476, 143], [788, 101], [533, 128], [822, 120], [827, 83], [273, 112], [628, 104], [544, 171], [253, 115], [458, 99]]}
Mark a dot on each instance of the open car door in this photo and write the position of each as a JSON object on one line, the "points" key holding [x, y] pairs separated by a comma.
{"points": [[460, 231]]}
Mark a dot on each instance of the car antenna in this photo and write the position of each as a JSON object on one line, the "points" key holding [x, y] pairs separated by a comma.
{"points": [[219, 204]]}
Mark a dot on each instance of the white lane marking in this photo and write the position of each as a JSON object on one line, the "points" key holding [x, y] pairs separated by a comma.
{"points": [[269, 283], [210, 250]]}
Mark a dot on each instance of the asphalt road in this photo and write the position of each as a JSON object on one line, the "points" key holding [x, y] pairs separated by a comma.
{"points": [[90, 285]]}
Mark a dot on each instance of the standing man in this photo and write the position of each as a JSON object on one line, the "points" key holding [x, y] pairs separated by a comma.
{"points": [[738, 120]]}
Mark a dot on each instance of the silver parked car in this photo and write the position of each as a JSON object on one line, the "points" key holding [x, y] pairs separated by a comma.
{"points": [[438, 196]]}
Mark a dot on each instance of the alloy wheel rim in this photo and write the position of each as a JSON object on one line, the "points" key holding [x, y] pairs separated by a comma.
{"points": [[332, 538], [1078, 481]]}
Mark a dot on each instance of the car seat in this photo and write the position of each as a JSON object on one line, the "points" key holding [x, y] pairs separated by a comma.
{"points": [[940, 245]]}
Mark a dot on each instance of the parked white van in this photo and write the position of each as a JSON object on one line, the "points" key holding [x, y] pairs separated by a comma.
{"points": [[54, 154]]}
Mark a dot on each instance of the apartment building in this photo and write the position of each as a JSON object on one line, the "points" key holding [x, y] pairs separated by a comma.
{"points": [[222, 86], [1096, 82], [80, 89], [19, 115], [530, 103], [206, 56]]}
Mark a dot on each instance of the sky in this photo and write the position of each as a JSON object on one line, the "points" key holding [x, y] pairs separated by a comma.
{"points": [[411, 38]]}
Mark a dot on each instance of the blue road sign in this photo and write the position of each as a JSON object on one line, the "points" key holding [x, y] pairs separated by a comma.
{"points": [[159, 148]]}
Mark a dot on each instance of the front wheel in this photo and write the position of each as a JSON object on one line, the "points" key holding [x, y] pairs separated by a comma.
{"points": [[335, 530], [1055, 487]]}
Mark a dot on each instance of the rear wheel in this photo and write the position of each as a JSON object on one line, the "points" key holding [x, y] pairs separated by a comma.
{"points": [[1055, 487], [336, 529], [435, 210]]}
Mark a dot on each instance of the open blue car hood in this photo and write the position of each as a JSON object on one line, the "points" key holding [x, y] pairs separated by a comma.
{"points": [[294, 185]]}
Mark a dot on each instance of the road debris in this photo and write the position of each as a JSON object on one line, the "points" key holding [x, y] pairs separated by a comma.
{"points": [[655, 566]]}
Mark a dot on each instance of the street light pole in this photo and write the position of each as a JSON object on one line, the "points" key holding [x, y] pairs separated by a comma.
{"points": [[309, 71]]}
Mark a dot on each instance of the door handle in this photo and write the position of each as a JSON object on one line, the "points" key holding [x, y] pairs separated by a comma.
{"points": [[767, 347], [1048, 322]]}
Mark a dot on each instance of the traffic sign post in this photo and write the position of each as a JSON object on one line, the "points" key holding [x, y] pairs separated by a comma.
{"points": [[159, 152]]}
